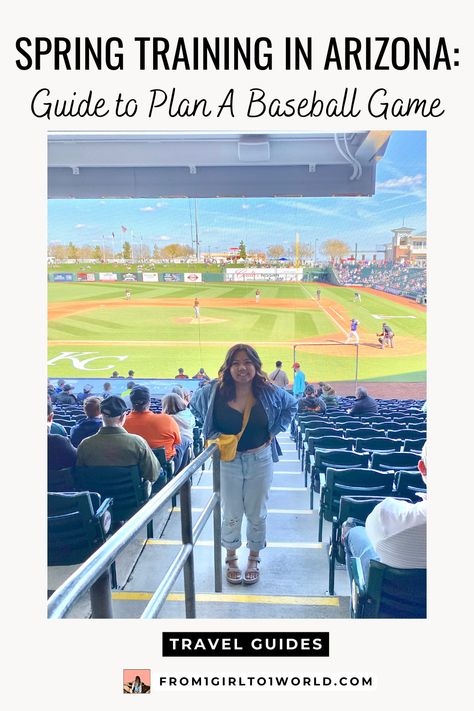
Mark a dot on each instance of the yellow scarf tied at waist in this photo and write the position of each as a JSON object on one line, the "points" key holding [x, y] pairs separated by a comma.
{"points": [[227, 443]]}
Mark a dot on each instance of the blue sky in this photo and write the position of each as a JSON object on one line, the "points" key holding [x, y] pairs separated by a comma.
{"points": [[400, 198]]}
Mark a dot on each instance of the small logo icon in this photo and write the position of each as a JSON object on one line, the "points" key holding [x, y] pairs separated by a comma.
{"points": [[136, 681]]}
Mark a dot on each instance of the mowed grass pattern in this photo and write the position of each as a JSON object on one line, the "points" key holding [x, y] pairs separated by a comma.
{"points": [[155, 342]]}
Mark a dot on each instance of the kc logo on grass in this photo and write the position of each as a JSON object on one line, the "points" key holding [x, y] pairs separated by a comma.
{"points": [[245, 644]]}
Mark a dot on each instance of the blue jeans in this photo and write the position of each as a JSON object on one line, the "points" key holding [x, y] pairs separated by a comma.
{"points": [[357, 545], [245, 485]]}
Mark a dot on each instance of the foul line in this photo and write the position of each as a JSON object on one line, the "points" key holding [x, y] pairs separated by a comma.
{"points": [[326, 312]]}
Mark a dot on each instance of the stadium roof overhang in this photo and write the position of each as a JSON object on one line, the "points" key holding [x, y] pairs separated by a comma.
{"points": [[203, 165]]}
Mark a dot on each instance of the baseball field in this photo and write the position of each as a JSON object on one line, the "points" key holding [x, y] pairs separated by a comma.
{"points": [[93, 329]]}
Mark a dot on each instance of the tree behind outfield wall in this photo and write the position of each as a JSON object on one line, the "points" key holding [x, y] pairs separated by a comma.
{"points": [[175, 251], [72, 251], [127, 250], [97, 252], [242, 250], [275, 251], [335, 249]]}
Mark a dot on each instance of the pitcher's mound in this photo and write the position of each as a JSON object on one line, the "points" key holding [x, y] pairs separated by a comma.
{"points": [[203, 319]]}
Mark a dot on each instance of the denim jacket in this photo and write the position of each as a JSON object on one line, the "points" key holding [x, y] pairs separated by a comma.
{"points": [[279, 407]]}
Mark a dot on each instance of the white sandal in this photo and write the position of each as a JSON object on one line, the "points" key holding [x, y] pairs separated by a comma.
{"points": [[233, 580], [255, 572]]}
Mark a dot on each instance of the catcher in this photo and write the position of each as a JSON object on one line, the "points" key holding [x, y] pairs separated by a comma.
{"points": [[386, 337]]}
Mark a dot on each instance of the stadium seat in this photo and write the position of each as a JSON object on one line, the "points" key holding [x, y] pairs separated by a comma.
{"points": [[360, 432], [388, 592], [395, 461], [124, 484], [61, 480], [299, 426], [414, 445], [397, 432], [374, 418], [326, 444], [378, 444], [308, 442], [410, 420], [356, 507], [78, 524], [336, 459], [349, 482], [409, 484], [312, 425]]}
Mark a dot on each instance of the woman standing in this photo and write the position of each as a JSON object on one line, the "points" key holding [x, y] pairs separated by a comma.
{"points": [[243, 411]]}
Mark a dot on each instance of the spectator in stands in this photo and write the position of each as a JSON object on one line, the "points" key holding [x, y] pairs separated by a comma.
{"points": [[66, 397], [86, 391], [278, 376], [243, 412], [176, 407], [107, 390], [159, 430], [394, 533], [52, 395], [181, 375], [201, 375], [131, 374], [61, 453], [329, 395], [55, 427], [310, 402], [112, 445], [299, 381], [126, 393], [364, 404], [116, 375], [60, 385], [91, 424], [182, 393]]}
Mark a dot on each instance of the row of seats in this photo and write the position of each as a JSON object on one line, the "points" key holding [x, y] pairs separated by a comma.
{"points": [[387, 592], [355, 463]]}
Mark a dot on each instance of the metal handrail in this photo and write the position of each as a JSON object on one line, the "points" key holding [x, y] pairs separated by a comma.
{"points": [[94, 573]]}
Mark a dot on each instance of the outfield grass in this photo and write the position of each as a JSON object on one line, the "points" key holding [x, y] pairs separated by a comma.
{"points": [[151, 340]]}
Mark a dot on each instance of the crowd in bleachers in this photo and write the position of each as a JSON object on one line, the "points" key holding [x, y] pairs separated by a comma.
{"points": [[79, 425], [355, 452], [399, 277]]}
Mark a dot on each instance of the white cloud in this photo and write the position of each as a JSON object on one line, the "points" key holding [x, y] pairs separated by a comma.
{"points": [[245, 206], [405, 181], [147, 209], [164, 237], [79, 226], [159, 205]]}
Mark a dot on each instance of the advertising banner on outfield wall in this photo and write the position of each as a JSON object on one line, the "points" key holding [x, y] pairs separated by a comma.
{"points": [[107, 276], [264, 274], [83, 276], [128, 276], [150, 276], [63, 276], [192, 277], [169, 276]]}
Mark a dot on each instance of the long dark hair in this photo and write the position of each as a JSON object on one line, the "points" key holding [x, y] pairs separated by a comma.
{"points": [[226, 381]]}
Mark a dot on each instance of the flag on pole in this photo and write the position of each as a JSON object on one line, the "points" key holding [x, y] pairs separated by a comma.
{"points": [[124, 229], [113, 235]]}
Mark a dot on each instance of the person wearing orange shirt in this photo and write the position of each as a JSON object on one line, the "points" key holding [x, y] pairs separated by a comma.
{"points": [[158, 430]]}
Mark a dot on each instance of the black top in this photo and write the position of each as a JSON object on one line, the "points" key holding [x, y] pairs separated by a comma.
{"points": [[61, 453], [229, 421]]}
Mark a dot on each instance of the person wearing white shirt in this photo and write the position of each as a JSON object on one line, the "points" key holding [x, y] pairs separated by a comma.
{"points": [[394, 533]]}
